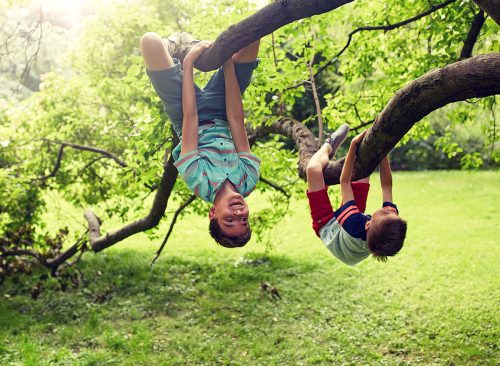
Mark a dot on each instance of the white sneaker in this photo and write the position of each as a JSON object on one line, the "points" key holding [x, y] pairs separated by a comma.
{"points": [[337, 138]]}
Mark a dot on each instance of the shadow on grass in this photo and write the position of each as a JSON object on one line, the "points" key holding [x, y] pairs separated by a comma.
{"points": [[121, 285]]}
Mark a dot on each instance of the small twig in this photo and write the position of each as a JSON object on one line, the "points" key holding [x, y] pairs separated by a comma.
{"points": [[171, 228], [364, 124], [493, 106], [316, 101], [376, 28], [275, 186], [91, 149], [90, 163]]}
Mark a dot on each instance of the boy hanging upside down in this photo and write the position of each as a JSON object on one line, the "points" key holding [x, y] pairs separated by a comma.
{"points": [[213, 156], [348, 233]]}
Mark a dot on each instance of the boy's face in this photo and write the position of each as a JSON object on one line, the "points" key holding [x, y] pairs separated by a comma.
{"points": [[379, 215], [231, 212]]}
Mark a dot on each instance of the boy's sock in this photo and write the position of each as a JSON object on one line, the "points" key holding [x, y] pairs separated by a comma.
{"points": [[337, 138]]}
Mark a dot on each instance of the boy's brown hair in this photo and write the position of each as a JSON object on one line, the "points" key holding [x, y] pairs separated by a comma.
{"points": [[386, 236], [228, 241]]}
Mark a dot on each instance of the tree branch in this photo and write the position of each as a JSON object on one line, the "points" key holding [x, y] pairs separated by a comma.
{"points": [[98, 242], [316, 101], [54, 263], [384, 28], [475, 77], [490, 7], [301, 136], [60, 155], [97, 150], [263, 22], [275, 186], [472, 36], [171, 228]]}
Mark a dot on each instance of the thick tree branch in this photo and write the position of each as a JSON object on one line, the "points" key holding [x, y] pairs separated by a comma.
{"points": [[472, 36], [98, 242], [475, 77], [263, 22], [490, 7], [301, 136]]}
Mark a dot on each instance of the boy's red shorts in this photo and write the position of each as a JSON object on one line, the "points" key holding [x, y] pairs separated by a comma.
{"points": [[321, 208]]}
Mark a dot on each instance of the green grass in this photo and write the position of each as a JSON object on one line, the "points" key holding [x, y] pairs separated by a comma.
{"points": [[436, 303]]}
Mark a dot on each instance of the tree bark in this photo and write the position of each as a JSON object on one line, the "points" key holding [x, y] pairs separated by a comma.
{"points": [[263, 22], [476, 77], [490, 7], [98, 242], [472, 36]]}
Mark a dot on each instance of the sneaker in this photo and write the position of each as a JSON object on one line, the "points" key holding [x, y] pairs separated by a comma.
{"points": [[187, 40], [173, 43], [337, 138]]}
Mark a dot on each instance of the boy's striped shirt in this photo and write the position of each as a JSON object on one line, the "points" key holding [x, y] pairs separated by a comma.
{"points": [[216, 160]]}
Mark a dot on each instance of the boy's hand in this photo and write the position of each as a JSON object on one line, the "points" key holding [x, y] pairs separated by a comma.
{"points": [[196, 52], [356, 140]]}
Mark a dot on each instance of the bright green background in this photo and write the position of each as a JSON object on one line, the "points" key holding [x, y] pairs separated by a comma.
{"points": [[436, 303]]}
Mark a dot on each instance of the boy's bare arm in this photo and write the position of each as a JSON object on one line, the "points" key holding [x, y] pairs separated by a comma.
{"points": [[234, 108], [345, 177], [386, 180], [189, 111]]}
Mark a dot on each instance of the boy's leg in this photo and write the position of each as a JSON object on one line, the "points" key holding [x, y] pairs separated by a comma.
{"points": [[248, 53], [165, 74], [315, 180], [213, 103], [154, 52], [319, 203], [320, 159]]}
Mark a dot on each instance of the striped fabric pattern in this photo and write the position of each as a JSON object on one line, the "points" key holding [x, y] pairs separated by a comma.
{"points": [[345, 234], [216, 160]]}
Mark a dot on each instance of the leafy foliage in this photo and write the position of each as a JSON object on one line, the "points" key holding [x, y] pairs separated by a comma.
{"points": [[102, 98]]}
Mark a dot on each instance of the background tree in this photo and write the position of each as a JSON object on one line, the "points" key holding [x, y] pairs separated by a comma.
{"points": [[95, 134]]}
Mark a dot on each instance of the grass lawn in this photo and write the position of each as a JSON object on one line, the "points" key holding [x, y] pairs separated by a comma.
{"points": [[436, 303]]}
